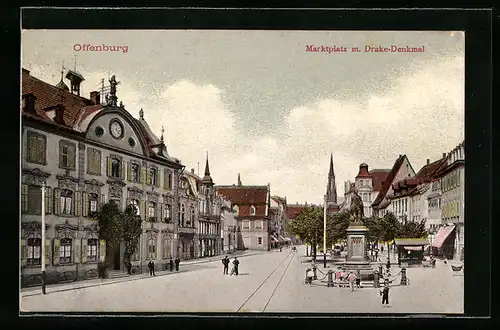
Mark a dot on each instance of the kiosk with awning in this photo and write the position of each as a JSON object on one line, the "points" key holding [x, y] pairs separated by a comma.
{"points": [[411, 250]]}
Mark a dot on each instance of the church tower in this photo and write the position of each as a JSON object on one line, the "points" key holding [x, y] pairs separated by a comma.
{"points": [[331, 189]]}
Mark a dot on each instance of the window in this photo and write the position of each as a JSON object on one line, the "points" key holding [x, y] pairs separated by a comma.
{"points": [[361, 183], [168, 210], [192, 211], [115, 167], [93, 202], [92, 249], [245, 224], [152, 209], [135, 173], [236, 210], [252, 210], [66, 201], [152, 176], [67, 155], [181, 214], [258, 225], [365, 197], [151, 247], [34, 251], [93, 161], [135, 204], [36, 148], [260, 240], [34, 199], [65, 251], [170, 181]]}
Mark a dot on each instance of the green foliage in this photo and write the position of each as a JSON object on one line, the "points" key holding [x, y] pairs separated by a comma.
{"points": [[115, 226], [110, 226], [336, 227], [389, 227], [132, 230], [374, 229], [412, 229]]}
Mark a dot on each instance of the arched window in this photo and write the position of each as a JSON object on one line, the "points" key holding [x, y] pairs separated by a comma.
{"points": [[252, 210]]}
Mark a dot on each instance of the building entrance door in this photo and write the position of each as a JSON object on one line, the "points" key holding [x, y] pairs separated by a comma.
{"points": [[116, 259]]}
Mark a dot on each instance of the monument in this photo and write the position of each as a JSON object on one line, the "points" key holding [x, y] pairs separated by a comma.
{"points": [[357, 240]]}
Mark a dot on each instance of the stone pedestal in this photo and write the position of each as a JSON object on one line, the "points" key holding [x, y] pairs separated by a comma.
{"points": [[356, 243]]}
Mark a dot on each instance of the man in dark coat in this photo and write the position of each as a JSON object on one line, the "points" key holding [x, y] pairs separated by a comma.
{"points": [[129, 267], [177, 262], [385, 293], [236, 263], [171, 264], [225, 262], [151, 266]]}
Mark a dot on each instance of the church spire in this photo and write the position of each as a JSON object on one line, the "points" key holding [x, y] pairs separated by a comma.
{"points": [[207, 179], [239, 180], [331, 189]]}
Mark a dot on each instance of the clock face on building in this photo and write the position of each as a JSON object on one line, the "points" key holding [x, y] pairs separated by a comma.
{"points": [[116, 129]]}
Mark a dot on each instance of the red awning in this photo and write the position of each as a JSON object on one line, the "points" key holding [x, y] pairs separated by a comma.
{"points": [[413, 248], [441, 236]]}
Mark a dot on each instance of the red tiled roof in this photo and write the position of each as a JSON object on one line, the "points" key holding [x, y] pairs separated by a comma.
{"points": [[244, 195], [388, 180], [293, 211], [378, 176], [427, 170], [48, 95]]}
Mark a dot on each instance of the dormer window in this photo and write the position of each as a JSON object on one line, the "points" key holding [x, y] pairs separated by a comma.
{"points": [[252, 210]]}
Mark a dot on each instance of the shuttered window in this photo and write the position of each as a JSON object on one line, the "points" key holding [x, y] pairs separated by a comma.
{"points": [[93, 161], [92, 248], [36, 148], [34, 251], [65, 251], [67, 155]]}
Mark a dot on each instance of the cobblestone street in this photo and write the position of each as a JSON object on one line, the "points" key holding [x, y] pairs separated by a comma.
{"points": [[270, 282]]}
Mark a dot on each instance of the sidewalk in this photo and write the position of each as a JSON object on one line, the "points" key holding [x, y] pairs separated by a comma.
{"points": [[37, 290]]}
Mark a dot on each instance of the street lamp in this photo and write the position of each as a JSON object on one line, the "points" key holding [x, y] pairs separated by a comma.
{"points": [[42, 257]]}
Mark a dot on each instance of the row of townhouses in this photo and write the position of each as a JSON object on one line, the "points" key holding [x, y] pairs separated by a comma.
{"points": [[435, 194], [90, 151]]}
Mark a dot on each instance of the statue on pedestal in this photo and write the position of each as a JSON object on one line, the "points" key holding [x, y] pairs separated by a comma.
{"points": [[357, 209]]}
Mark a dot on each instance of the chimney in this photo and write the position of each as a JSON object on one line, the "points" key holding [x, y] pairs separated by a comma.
{"points": [[95, 97], [192, 170], [29, 103], [428, 161]]}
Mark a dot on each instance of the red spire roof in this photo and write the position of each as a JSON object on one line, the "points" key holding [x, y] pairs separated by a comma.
{"points": [[363, 171]]}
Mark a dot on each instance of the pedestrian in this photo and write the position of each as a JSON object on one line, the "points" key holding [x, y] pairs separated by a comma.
{"points": [[376, 254], [388, 264], [358, 279], [338, 275], [171, 264], [151, 266], [385, 293], [343, 275], [236, 264], [310, 275], [177, 262], [129, 267], [280, 247], [225, 262], [352, 280]]}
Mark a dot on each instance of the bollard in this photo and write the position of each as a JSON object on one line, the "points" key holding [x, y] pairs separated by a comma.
{"points": [[376, 279], [330, 279], [315, 277], [403, 276]]}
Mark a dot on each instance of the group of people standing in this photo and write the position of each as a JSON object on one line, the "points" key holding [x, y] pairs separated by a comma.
{"points": [[226, 262], [171, 263]]}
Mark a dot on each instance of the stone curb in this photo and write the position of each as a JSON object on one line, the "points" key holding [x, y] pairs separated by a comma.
{"points": [[37, 290]]}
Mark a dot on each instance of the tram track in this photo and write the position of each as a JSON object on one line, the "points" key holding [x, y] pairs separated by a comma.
{"points": [[289, 257]]}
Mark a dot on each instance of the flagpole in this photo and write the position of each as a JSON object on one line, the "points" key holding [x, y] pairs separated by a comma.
{"points": [[324, 232], [42, 257]]}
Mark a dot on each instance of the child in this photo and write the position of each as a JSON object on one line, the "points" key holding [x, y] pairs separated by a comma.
{"points": [[385, 293], [309, 276]]}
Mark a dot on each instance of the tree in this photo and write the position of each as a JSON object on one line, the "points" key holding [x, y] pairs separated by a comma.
{"points": [[110, 226], [389, 228], [413, 229], [374, 229], [336, 226], [132, 230], [308, 225]]}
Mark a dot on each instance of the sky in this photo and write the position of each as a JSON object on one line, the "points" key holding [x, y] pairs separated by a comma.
{"points": [[261, 105]]}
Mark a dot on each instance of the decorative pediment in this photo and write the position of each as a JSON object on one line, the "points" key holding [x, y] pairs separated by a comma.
{"points": [[94, 182], [153, 196], [32, 229], [91, 230], [66, 230], [135, 193], [116, 188], [67, 182], [35, 177]]}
